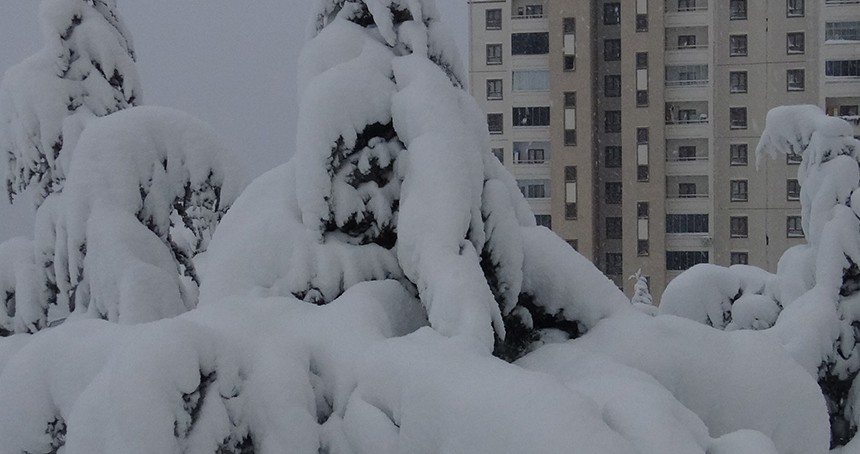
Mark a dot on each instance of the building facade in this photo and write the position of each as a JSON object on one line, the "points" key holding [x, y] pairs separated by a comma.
{"points": [[631, 125]]}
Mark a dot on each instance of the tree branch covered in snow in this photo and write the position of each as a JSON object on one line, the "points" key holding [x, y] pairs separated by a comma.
{"points": [[86, 69]]}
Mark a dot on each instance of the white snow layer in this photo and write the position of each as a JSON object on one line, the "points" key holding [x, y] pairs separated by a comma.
{"points": [[85, 70], [398, 360]]}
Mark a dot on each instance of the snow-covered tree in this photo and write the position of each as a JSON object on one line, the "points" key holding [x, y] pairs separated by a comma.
{"points": [[393, 178], [414, 263], [86, 69], [812, 305], [641, 294], [145, 190]]}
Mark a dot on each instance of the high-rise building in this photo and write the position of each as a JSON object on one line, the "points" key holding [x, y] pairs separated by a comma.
{"points": [[631, 125]]}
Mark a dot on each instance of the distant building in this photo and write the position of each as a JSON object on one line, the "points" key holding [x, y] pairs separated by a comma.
{"points": [[631, 125]]}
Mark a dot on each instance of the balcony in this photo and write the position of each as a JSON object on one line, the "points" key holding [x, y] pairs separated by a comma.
{"points": [[686, 6], [846, 108], [841, 2], [686, 12], [687, 119], [687, 157]]}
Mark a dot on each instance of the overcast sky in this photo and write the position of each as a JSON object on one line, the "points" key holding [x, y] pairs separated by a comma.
{"points": [[230, 63]]}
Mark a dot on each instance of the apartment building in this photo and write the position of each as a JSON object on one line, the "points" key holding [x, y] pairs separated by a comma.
{"points": [[631, 125]]}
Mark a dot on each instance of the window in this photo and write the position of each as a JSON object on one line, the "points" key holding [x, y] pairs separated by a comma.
{"points": [[738, 154], [641, 60], [740, 258], [849, 111], [530, 80], [642, 244], [683, 260], [686, 5], [494, 54], [494, 19], [739, 226], [642, 173], [614, 263], [685, 41], [737, 45], [543, 220], [794, 80], [738, 190], [569, 26], [738, 117], [793, 159], [494, 89], [531, 152], [611, 13], [612, 121], [842, 31], [570, 118], [687, 223], [530, 11], [793, 227], [738, 82], [530, 43], [495, 122], [687, 153], [842, 68], [737, 9], [531, 116], [613, 228], [534, 189], [612, 86], [641, 136], [570, 192], [795, 8], [792, 190], [687, 190], [499, 153], [611, 49], [795, 43], [613, 193], [612, 157], [569, 62], [641, 22]]}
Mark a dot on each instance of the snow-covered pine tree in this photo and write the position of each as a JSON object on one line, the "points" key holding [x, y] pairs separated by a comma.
{"points": [[86, 69], [393, 179], [812, 304], [641, 293]]}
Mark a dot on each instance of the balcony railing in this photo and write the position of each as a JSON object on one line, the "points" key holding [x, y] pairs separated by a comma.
{"points": [[687, 83], [687, 8], [688, 121], [697, 195], [686, 158], [527, 16], [531, 161], [840, 2], [675, 46]]}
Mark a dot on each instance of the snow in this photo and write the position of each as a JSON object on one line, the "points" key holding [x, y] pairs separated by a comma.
{"points": [[387, 290], [86, 69]]}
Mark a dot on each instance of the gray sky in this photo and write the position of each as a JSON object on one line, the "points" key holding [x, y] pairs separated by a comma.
{"points": [[230, 63]]}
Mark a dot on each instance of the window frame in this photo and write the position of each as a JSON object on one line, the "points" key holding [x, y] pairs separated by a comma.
{"points": [[792, 196], [496, 22], [735, 49], [615, 86], [801, 50], [742, 15], [615, 153], [613, 52], [611, 127], [788, 80], [501, 123], [793, 12], [739, 227], [735, 154], [735, 86], [613, 197], [739, 123], [492, 59], [615, 17], [739, 258], [492, 94], [794, 227], [735, 192]]}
